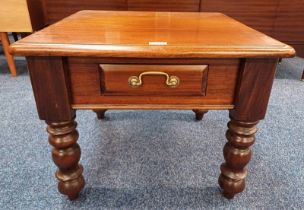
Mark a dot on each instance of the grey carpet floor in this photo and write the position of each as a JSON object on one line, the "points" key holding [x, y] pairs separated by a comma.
{"points": [[152, 159]]}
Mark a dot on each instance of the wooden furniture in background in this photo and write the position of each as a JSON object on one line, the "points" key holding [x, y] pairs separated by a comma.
{"points": [[15, 16], [18, 16], [71, 71], [281, 19], [9, 58]]}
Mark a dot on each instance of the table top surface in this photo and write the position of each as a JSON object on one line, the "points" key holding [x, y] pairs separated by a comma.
{"points": [[150, 35]]}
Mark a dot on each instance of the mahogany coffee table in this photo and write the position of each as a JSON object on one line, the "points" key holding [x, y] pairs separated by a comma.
{"points": [[102, 60]]}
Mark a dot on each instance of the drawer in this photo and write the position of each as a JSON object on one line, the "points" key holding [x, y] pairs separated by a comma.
{"points": [[209, 84], [170, 80]]}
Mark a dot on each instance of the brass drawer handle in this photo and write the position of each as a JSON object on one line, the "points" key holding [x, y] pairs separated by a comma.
{"points": [[172, 81]]}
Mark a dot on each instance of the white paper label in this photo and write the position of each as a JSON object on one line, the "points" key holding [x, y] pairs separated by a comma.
{"points": [[158, 43]]}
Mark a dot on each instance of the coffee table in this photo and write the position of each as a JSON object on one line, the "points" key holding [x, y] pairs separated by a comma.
{"points": [[100, 60]]}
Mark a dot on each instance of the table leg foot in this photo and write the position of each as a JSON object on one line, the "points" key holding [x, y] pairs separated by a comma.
{"points": [[302, 78], [100, 113], [199, 113], [66, 153], [237, 154]]}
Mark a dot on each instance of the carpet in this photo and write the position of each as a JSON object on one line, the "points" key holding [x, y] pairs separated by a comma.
{"points": [[152, 159]]}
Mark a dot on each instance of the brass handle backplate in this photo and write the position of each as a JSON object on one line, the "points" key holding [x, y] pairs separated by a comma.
{"points": [[171, 81]]}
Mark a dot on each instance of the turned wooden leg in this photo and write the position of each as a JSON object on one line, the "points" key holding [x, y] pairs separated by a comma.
{"points": [[9, 58], [199, 113], [100, 113], [302, 78], [251, 100], [237, 153], [63, 137]]}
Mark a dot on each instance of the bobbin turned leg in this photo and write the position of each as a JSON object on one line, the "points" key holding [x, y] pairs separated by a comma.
{"points": [[63, 137], [199, 113], [237, 153], [250, 105], [53, 98], [100, 113]]}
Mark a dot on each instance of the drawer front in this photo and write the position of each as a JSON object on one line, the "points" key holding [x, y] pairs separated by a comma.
{"points": [[87, 92], [187, 80]]}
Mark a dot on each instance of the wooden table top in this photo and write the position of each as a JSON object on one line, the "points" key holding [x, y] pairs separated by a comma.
{"points": [[150, 35]]}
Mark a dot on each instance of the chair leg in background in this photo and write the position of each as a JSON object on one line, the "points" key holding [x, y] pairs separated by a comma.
{"points": [[10, 59]]}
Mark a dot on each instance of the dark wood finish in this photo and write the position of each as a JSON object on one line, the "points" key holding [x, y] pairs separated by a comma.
{"points": [[258, 14], [302, 78], [299, 48], [237, 154], [161, 5], [66, 153], [256, 77], [65, 72], [15, 36], [100, 113], [289, 24], [58, 9], [222, 75], [281, 19], [199, 114], [52, 94], [115, 80], [55, 10], [36, 10], [51, 88]]}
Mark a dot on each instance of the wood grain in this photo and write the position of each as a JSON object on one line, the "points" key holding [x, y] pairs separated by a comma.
{"points": [[280, 19], [85, 84], [56, 10], [36, 10], [237, 154], [14, 16], [51, 88], [299, 48], [129, 34], [252, 95], [161, 5], [240, 77], [192, 79], [261, 15], [256, 78], [290, 21], [66, 153], [151, 106]]}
